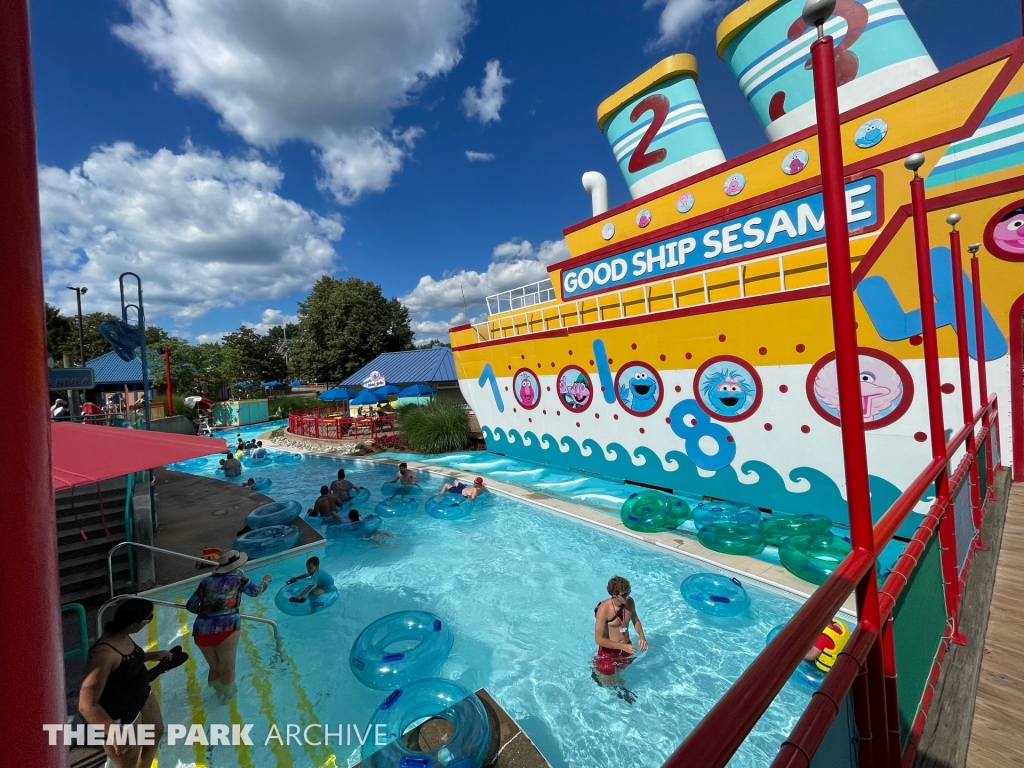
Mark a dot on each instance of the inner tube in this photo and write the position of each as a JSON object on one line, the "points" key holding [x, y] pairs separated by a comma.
{"points": [[714, 512], [448, 506], [313, 604], [731, 539], [779, 527], [271, 540], [714, 594], [356, 501], [653, 512], [352, 528], [813, 558], [284, 457], [275, 513], [398, 489], [806, 674], [399, 648], [397, 506], [405, 707], [262, 484], [190, 464]]}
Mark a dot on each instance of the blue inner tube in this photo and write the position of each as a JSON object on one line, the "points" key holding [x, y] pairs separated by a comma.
{"points": [[264, 542], [714, 512], [190, 464], [356, 501], [313, 604], [397, 506], [407, 706], [714, 594], [284, 457], [807, 674], [275, 513], [398, 489], [399, 648], [352, 529], [262, 484], [448, 506]]}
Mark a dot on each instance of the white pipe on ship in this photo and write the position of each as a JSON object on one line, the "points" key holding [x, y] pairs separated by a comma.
{"points": [[597, 185]]}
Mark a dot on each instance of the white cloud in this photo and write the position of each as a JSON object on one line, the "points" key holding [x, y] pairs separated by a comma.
{"points": [[329, 73], [202, 230], [271, 318], [436, 329], [479, 157], [485, 103], [683, 16], [208, 338]]}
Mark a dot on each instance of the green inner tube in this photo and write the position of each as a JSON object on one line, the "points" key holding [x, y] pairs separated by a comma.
{"points": [[779, 527], [732, 539], [813, 558], [654, 512]]}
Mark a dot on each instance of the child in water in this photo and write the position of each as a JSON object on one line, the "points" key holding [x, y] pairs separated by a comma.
{"points": [[320, 582]]}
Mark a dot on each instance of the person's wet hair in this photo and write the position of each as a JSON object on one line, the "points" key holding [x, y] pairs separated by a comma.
{"points": [[341, 474], [353, 514], [324, 489], [314, 561], [129, 612], [403, 465]]}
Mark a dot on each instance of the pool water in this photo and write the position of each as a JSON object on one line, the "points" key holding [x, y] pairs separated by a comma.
{"points": [[518, 584]]}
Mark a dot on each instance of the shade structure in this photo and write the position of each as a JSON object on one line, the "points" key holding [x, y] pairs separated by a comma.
{"points": [[84, 454], [370, 397], [297, 383], [338, 393], [198, 402], [243, 384], [388, 389], [416, 390], [272, 384]]}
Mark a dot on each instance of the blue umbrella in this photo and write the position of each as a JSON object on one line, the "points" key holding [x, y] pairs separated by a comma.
{"points": [[370, 397], [338, 393], [387, 389], [243, 384], [416, 390], [271, 383], [299, 383]]}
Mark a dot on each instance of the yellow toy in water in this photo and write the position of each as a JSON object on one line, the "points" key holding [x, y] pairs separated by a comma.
{"points": [[839, 634], [239, 454]]}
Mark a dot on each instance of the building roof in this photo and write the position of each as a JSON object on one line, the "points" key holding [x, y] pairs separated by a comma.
{"points": [[109, 369], [416, 366]]}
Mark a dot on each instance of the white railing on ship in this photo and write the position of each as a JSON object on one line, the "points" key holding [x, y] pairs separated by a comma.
{"points": [[538, 321], [518, 298]]}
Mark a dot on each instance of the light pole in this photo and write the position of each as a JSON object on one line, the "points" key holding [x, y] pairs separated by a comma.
{"points": [[81, 333]]}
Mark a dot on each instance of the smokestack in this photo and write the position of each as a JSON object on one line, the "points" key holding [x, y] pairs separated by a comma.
{"points": [[658, 127], [766, 44], [597, 185]]}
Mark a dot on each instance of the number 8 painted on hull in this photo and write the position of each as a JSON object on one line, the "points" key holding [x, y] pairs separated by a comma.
{"points": [[690, 423]]}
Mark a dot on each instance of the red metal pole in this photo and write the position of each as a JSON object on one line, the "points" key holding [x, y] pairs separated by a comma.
{"points": [[32, 682], [979, 335], [167, 375], [926, 294], [844, 326]]}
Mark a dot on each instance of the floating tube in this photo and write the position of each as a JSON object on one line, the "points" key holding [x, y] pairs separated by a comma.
{"points": [[398, 489], [714, 594], [275, 513], [405, 707], [261, 484], [653, 512], [715, 512], [366, 525], [313, 603], [813, 558], [190, 464], [807, 674], [285, 458], [732, 539], [376, 666], [448, 506], [397, 506], [779, 527], [271, 540]]}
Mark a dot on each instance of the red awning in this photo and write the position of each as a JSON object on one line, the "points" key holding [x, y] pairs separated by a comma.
{"points": [[86, 453]]}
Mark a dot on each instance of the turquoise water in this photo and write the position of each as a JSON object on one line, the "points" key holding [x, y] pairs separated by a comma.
{"points": [[518, 584]]}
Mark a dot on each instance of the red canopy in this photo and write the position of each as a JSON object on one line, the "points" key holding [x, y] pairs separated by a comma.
{"points": [[84, 453]]}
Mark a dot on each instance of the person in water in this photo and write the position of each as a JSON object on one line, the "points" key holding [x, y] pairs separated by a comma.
{"points": [[461, 489], [259, 452], [615, 650], [343, 488], [405, 476], [232, 466], [217, 601], [116, 686], [250, 483], [376, 537], [320, 582], [326, 505]]}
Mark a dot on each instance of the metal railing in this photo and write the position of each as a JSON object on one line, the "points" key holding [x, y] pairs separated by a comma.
{"points": [[518, 298], [110, 560], [181, 607], [83, 630], [323, 423]]}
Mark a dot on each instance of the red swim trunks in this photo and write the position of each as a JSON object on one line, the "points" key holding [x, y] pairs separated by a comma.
{"points": [[212, 639], [610, 659]]}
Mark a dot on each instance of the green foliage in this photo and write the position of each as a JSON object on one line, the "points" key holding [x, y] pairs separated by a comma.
{"points": [[195, 368], [343, 325], [280, 407], [61, 334], [439, 427], [251, 357]]}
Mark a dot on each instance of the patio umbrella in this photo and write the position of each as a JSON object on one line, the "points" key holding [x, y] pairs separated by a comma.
{"points": [[370, 397], [298, 383], [416, 390], [198, 402], [338, 393], [243, 384], [387, 389], [272, 384]]}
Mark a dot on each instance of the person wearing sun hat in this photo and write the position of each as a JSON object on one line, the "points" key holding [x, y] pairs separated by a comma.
{"points": [[217, 601]]}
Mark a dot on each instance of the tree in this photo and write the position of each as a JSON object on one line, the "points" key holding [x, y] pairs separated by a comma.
{"points": [[61, 334], [252, 357], [343, 325]]}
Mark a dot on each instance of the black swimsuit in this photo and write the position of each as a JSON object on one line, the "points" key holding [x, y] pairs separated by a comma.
{"points": [[127, 686]]}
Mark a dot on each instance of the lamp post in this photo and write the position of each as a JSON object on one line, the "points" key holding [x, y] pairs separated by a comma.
{"points": [[79, 292]]}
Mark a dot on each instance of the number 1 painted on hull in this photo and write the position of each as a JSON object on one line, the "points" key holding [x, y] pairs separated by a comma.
{"points": [[487, 374]]}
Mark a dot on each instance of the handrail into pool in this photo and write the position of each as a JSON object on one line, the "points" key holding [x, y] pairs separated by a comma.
{"points": [[179, 606], [110, 561], [83, 630]]}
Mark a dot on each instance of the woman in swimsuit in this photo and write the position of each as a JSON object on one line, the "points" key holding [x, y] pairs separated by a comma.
{"points": [[217, 600], [615, 650], [116, 685]]}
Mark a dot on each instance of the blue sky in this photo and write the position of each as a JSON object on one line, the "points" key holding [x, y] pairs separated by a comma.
{"points": [[232, 151]]}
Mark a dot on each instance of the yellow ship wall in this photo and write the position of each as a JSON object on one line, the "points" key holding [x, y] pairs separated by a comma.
{"points": [[712, 376]]}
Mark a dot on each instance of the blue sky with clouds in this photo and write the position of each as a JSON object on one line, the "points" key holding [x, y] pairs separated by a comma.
{"points": [[232, 151]]}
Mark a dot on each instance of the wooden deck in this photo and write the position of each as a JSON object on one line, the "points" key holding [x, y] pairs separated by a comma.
{"points": [[996, 734]]}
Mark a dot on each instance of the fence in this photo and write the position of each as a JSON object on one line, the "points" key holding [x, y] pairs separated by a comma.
{"points": [[325, 423]]}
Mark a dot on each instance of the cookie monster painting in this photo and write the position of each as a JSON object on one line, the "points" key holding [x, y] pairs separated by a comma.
{"points": [[638, 389]]}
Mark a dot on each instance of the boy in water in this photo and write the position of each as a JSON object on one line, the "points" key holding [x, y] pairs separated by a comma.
{"points": [[343, 488], [320, 582], [615, 650]]}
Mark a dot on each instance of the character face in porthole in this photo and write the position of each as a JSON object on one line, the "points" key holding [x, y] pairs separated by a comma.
{"points": [[638, 388], [574, 388], [727, 388], [886, 388], [526, 388]]}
